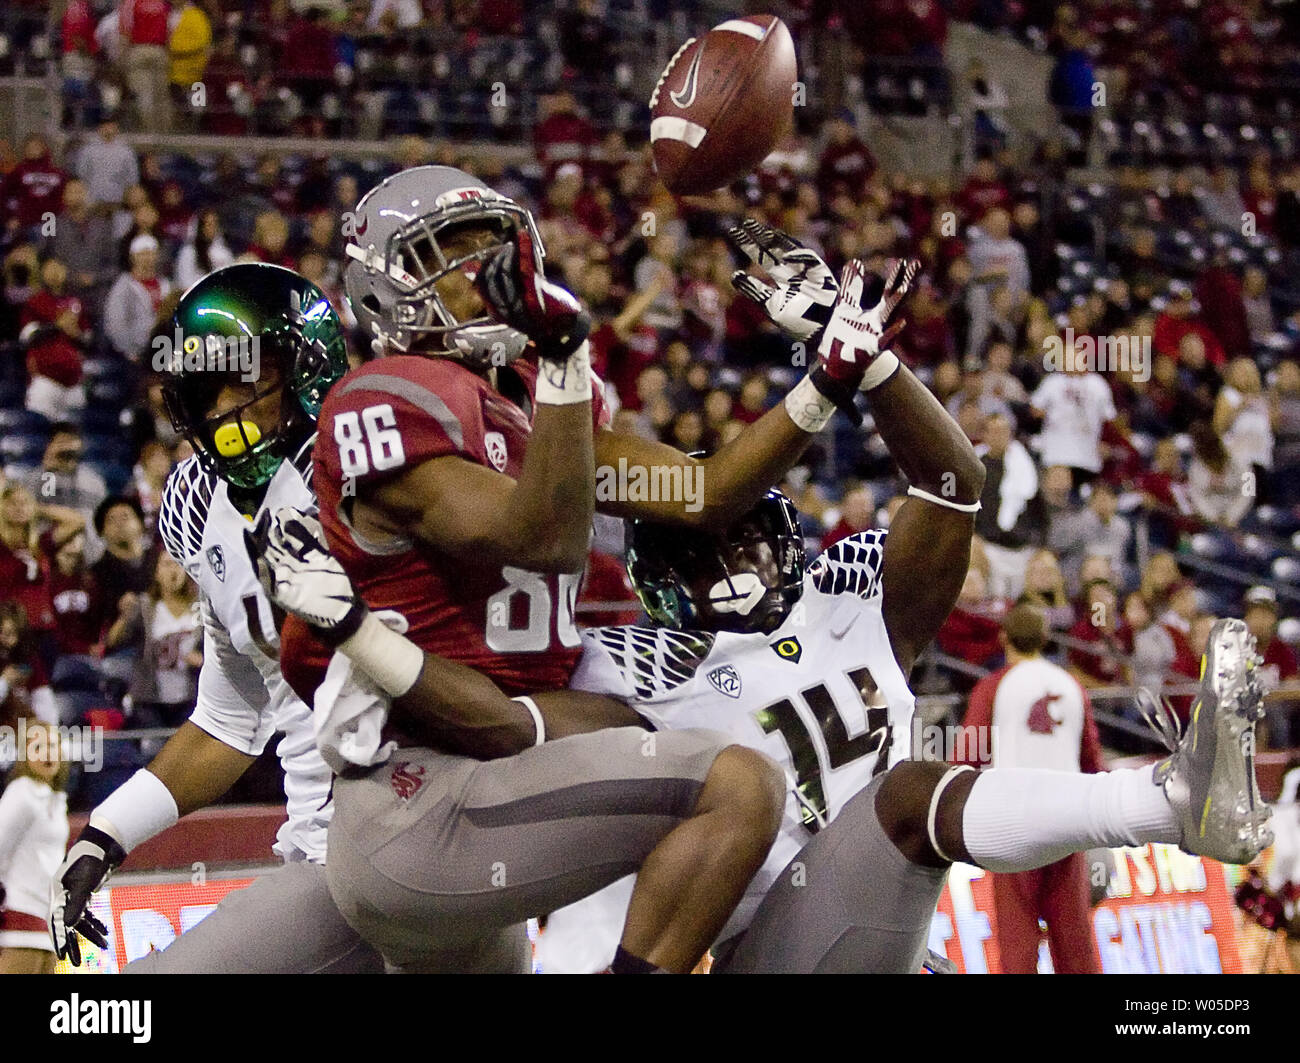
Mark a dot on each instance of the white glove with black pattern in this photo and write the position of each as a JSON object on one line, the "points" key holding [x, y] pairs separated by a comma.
{"points": [[801, 301], [301, 576]]}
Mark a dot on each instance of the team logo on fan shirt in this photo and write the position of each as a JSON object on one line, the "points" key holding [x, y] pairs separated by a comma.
{"points": [[217, 559], [495, 443], [788, 649], [725, 681], [1041, 721]]}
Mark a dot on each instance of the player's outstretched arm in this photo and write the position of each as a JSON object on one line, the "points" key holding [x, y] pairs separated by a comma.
{"points": [[801, 301], [715, 490], [927, 551], [450, 705], [190, 772]]}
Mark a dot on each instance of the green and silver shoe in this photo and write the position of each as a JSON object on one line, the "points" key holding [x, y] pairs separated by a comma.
{"points": [[1209, 778]]}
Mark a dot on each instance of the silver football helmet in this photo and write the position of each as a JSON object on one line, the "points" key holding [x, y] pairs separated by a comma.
{"points": [[397, 261]]}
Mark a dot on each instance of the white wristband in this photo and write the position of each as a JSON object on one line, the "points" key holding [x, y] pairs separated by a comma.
{"points": [[808, 408], [567, 382], [879, 370], [392, 660], [136, 811], [529, 704]]}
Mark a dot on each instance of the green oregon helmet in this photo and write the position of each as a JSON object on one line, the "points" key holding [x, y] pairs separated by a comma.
{"points": [[256, 329]]}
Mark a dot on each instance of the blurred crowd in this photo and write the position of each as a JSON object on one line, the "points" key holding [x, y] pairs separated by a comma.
{"points": [[1137, 498]]}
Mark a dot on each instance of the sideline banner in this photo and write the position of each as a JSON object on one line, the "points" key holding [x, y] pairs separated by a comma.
{"points": [[1166, 912]]}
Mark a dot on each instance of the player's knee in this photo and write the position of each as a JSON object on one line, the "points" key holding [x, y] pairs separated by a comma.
{"points": [[903, 805], [751, 789]]}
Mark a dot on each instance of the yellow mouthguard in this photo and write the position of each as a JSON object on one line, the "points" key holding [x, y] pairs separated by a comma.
{"points": [[229, 441]]}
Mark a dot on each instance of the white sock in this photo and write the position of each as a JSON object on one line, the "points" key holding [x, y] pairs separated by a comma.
{"points": [[1017, 819]]}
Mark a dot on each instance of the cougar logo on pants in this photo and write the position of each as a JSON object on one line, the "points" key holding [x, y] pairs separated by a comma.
{"points": [[407, 779]]}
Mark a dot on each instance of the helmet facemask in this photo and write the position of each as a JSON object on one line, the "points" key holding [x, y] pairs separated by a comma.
{"points": [[228, 441], [746, 580], [416, 257]]}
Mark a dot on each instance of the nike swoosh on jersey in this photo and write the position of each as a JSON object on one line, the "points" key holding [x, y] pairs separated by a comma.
{"points": [[685, 96]]}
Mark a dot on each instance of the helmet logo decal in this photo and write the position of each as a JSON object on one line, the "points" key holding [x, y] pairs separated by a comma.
{"points": [[460, 195], [495, 445], [788, 649], [726, 681], [737, 594]]}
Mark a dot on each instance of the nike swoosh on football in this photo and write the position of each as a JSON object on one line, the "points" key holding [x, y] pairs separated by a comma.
{"points": [[685, 96]]}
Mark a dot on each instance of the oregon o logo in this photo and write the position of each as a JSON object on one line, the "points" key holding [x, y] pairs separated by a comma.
{"points": [[788, 649]]}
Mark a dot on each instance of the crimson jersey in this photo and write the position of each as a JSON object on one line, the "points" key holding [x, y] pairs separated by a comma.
{"points": [[398, 412]]}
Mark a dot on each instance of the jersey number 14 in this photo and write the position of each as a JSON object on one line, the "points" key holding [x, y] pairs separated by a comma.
{"points": [[783, 718]]}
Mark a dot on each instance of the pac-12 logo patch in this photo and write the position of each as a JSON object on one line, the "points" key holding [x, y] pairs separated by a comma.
{"points": [[495, 444], [407, 779], [788, 649], [217, 560], [725, 681]]}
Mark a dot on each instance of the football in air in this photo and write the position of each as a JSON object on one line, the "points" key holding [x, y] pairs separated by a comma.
{"points": [[723, 103]]}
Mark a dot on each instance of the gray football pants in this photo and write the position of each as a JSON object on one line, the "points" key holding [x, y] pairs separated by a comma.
{"points": [[849, 903], [283, 922], [431, 852]]}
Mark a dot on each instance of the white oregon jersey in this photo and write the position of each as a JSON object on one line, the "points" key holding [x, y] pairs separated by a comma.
{"points": [[242, 696], [822, 695]]}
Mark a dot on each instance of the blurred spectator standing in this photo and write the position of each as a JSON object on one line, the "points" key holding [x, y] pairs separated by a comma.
{"points": [[145, 32], [1071, 91], [563, 134], [1281, 671], [83, 241], [164, 685], [204, 251], [54, 364], [857, 513], [24, 679], [1075, 406], [131, 308], [998, 262], [122, 576], [33, 189], [189, 46], [108, 166], [80, 50], [1221, 202], [73, 595], [1096, 530], [1219, 484], [846, 163], [62, 479], [24, 565], [1045, 588], [1039, 717], [33, 839], [1009, 521], [1101, 624], [1243, 418]]}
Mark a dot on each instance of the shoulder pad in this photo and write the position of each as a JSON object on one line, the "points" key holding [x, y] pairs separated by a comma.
{"points": [[852, 566], [183, 512], [655, 660]]}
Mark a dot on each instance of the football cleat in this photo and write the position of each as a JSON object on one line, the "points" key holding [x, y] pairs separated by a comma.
{"points": [[1209, 778]]}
